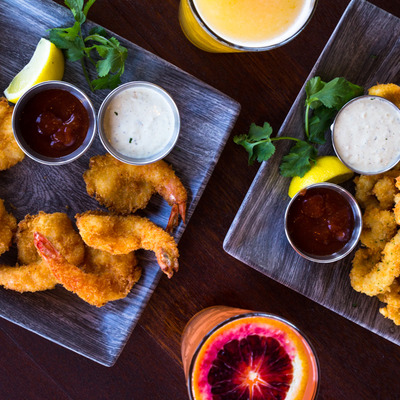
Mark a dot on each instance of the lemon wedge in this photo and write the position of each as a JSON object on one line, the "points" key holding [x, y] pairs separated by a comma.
{"points": [[326, 169], [47, 63]]}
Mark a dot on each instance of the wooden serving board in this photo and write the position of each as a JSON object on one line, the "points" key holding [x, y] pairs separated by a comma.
{"points": [[207, 117], [365, 49]]}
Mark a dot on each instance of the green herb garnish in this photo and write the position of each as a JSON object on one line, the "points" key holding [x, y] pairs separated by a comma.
{"points": [[106, 54], [323, 100], [130, 140]]}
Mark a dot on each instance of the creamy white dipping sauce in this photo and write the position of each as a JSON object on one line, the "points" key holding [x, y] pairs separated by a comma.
{"points": [[366, 134], [139, 122]]}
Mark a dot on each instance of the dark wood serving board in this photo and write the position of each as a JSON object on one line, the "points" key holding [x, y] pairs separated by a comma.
{"points": [[365, 49], [207, 117]]}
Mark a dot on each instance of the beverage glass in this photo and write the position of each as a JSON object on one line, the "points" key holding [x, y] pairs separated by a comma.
{"points": [[223, 26], [213, 331]]}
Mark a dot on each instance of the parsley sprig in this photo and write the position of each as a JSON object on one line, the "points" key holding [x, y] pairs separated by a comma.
{"points": [[106, 54], [323, 100]]}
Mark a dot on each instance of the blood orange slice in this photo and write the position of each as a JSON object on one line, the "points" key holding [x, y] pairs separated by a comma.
{"points": [[254, 358]]}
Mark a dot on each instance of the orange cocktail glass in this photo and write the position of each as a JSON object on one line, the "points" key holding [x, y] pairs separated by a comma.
{"points": [[241, 354], [243, 25]]}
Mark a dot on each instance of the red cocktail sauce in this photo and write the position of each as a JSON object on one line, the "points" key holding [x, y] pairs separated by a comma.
{"points": [[54, 123], [320, 221]]}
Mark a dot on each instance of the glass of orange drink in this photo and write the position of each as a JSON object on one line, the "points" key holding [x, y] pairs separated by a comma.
{"points": [[224, 26], [235, 354]]}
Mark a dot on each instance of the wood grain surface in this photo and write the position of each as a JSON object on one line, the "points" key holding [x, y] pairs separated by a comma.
{"points": [[356, 364], [364, 49]]}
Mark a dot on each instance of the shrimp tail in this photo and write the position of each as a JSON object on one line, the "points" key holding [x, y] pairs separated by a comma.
{"points": [[167, 262], [177, 209], [45, 248]]}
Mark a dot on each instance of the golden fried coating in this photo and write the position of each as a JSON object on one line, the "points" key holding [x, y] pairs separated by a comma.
{"points": [[392, 298], [32, 277], [396, 209], [57, 227], [372, 272], [33, 274], [389, 91], [125, 188], [376, 267], [379, 226], [384, 190], [123, 234], [10, 153], [364, 185], [392, 313], [392, 295], [103, 277], [110, 182], [376, 190], [8, 226]]}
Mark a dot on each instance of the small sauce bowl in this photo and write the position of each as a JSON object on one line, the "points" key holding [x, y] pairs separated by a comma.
{"points": [[323, 222], [365, 135], [138, 123], [54, 122]]}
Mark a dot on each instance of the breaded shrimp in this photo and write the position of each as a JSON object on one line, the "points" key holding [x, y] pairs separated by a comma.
{"points": [[372, 272], [389, 91], [376, 190], [32, 273], [10, 152], [392, 295], [33, 277], [103, 277], [125, 188], [385, 190], [8, 226], [123, 234], [392, 313], [396, 208], [379, 226], [58, 228]]}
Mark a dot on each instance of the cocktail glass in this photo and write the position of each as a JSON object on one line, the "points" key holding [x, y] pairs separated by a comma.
{"points": [[288, 363], [247, 25]]}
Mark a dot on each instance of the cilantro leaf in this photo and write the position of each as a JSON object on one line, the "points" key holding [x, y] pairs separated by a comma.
{"points": [[257, 142], [323, 100], [299, 160], [331, 95], [335, 93], [109, 56], [319, 123], [314, 85]]}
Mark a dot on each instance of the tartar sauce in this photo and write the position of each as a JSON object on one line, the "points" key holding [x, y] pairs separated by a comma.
{"points": [[366, 134], [139, 122]]}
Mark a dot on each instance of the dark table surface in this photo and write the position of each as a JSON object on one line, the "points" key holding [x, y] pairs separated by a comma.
{"points": [[355, 363]]}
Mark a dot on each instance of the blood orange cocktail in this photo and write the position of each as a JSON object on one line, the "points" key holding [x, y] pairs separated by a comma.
{"points": [[236, 354]]}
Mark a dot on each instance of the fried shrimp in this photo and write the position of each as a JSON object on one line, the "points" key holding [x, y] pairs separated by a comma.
{"points": [[389, 91], [101, 278], [385, 190], [8, 226], [376, 190], [10, 153], [392, 295], [373, 273], [379, 226], [32, 273], [392, 298], [123, 234], [125, 188], [392, 313]]}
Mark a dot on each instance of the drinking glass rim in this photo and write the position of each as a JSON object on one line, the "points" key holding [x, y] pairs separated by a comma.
{"points": [[225, 42], [246, 315]]}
